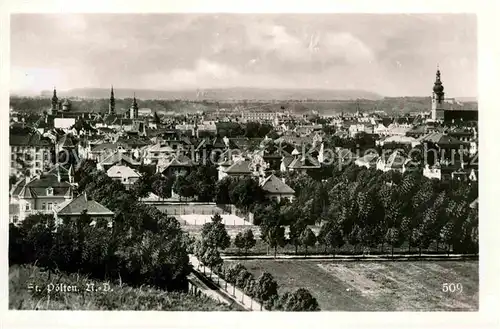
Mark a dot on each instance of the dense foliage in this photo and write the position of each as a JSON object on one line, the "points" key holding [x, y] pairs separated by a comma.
{"points": [[265, 290], [368, 209], [143, 246]]}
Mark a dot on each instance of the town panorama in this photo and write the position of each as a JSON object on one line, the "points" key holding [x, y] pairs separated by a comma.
{"points": [[241, 163]]}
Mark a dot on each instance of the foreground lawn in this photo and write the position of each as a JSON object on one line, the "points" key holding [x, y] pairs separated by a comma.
{"points": [[378, 286], [94, 295]]}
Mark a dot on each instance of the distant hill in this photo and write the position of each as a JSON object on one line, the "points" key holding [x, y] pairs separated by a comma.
{"points": [[222, 94]]}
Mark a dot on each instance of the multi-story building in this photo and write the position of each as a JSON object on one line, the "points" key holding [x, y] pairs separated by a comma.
{"points": [[30, 153], [39, 195], [259, 116]]}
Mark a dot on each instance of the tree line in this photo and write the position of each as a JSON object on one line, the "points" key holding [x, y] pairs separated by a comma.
{"points": [[214, 238], [369, 209]]}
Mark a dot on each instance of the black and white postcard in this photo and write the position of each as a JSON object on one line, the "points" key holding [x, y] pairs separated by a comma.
{"points": [[234, 162]]}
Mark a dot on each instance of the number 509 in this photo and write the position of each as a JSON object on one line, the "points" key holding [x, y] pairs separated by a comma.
{"points": [[453, 287]]}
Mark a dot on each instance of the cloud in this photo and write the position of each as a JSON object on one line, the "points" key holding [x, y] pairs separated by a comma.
{"points": [[282, 50], [32, 78], [205, 73], [330, 48]]}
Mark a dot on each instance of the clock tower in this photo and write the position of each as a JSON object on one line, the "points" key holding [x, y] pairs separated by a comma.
{"points": [[437, 113]]}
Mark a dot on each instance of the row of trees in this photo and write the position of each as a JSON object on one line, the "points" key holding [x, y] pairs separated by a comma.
{"points": [[367, 208], [199, 183], [215, 238], [143, 245]]}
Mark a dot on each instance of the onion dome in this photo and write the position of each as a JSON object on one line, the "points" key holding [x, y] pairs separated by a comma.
{"points": [[438, 85]]}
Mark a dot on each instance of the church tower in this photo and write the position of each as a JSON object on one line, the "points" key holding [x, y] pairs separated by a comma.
{"points": [[437, 112], [134, 110], [112, 102], [55, 103]]}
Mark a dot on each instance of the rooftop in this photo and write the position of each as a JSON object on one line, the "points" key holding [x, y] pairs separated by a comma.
{"points": [[82, 203], [122, 171], [274, 185]]}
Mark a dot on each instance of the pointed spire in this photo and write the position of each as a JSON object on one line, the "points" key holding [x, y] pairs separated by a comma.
{"points": [[112, 101], [55, 102], [134, 110]]}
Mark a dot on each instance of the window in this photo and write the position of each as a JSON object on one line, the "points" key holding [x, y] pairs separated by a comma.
{"points": [[49, 206], [44, 206], [50, 191], [15, 219], [27, 207], [38, 156], [12, 156]]}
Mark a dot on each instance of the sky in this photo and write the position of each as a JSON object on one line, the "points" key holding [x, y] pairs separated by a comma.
{"points": [[389, 54]]}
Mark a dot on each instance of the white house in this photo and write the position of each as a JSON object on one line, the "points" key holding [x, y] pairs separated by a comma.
{"points": [[127, 176]]}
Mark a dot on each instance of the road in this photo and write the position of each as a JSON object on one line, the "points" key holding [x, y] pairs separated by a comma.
{"points": [[232, 292]]}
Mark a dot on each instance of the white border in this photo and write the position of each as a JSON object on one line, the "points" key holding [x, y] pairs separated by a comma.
{"points": [[488, 70]]}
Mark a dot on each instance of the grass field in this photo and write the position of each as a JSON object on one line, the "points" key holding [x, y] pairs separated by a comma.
{"points": [[378, 286], [30, 288]]}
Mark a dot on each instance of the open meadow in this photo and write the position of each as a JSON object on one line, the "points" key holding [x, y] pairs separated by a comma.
{"points": [[378, 286]]}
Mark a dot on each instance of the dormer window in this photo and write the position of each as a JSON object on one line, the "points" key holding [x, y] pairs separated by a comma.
{"points": [[50, 191]]}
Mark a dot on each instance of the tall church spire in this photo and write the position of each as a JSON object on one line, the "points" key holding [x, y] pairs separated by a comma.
{"points": [[55, 101], [112, 102], [134, 110]]}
